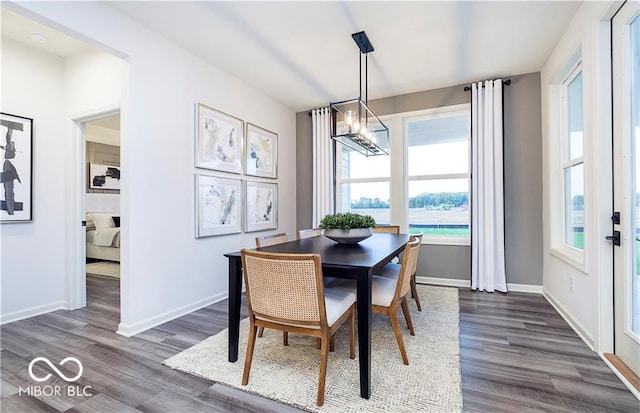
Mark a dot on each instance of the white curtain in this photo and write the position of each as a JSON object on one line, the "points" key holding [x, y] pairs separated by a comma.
{"points": [[487, 188], [322, 165]]}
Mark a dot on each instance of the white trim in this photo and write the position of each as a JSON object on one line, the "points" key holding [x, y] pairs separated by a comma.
{"points": [[568, 317], [32, 312], [137, 328], [455, 282], [455, 240], [571, 256], [447, 282], [525, 288], [622, 378]]}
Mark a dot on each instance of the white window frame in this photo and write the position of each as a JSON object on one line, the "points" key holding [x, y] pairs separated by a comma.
{"points": [[399, 177], [559, 248]]}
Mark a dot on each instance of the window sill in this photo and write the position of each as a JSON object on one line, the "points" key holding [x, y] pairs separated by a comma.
{"points": [[453, 241], [571, 256]]}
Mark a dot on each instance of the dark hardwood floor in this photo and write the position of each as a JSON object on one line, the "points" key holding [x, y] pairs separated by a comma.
{"points": [[517, 355]]}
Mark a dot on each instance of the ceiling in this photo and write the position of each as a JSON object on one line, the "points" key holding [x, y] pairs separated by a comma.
{"points": [[301, 53]]}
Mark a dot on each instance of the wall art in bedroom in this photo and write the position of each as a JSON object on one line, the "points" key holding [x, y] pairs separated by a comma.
{"points": [[104, 176], [261, 158], [17, 168], [218, 205], [262, 206], [219, 140]]}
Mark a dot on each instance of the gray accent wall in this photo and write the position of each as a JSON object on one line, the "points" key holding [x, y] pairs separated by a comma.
{"points": [[522, 169]]}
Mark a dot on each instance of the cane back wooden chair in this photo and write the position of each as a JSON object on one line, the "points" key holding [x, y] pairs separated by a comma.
{"points": [[392, 270], [286, 292], [265, 241], [387, 229], [387, 294], [308, 233]]}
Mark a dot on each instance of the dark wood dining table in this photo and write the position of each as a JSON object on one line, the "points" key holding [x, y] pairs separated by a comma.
{"points": [[357, 262]]}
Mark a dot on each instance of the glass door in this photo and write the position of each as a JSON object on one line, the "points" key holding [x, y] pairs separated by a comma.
{"points": [[626, 145]]}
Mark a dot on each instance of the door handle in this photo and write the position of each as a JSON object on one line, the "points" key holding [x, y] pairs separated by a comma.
{"points": [[615, 238]]}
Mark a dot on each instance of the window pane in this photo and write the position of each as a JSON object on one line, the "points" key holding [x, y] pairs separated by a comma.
{"points": [[438, 145], [574, 206], [367, 199], [574, 114], [356, 165], [439, 207]]}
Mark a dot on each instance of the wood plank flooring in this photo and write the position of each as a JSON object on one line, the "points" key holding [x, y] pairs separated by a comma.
{"points": [[517, 355]]}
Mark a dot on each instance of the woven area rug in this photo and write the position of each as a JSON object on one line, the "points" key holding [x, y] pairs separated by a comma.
{"points": [[108, 268], [430, 383]]}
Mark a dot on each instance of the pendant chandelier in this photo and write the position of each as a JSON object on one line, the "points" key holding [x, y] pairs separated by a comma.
{"points": [[353, 123]]}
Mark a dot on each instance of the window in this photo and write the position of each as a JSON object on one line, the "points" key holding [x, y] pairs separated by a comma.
{"points": [[438, 174], [568, 198], [429, 166], [573, 160], [364, 184]]}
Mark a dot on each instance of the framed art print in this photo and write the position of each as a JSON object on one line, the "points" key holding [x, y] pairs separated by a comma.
{"points": [[262, 206], [261, 153], [219, 140], [104, 176], [17, 168], [218, 206]]}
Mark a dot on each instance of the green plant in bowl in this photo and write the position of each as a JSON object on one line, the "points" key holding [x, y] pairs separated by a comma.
{"points": [[347, 228]]}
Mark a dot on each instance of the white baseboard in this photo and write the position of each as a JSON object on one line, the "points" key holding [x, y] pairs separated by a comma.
{"points": [[32, 312], [129, 330], [455, 282], [524, 288], [568, 317], [447, 282]]}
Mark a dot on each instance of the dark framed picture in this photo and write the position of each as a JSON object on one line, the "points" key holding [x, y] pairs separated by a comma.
{"points": [[17, 168], [261, 152], [219, 140], [262, 206], [218, 206], [104, 176]]}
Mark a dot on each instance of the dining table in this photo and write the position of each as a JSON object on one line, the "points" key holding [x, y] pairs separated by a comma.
{"points": [[357, 262]]}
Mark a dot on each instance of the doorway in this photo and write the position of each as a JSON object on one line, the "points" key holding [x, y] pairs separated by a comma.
{"points": [[626, 171], [102, 197]]}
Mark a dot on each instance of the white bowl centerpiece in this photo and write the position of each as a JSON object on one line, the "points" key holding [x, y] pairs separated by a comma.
{"points": [[347, 228]]}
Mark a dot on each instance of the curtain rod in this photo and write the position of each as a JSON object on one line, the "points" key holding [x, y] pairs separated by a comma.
{"points": [[506, 82], [466, 89]]}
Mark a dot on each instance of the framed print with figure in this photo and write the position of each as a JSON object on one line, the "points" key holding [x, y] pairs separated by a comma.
{"points": [[261, 152], [219, 140], [262, 206], [218, 206], [16, 143]]}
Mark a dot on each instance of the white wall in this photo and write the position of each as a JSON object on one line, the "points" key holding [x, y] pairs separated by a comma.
{"points": [[33, 254], [165, 270], [585, 307]]}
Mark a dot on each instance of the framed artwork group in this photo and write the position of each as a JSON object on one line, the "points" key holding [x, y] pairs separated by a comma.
{"points": [[226, 204]]}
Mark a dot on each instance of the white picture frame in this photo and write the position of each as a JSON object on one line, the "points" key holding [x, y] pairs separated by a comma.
{"points": [[261, 210], [261, 152], [218, 205], [219, 140]]}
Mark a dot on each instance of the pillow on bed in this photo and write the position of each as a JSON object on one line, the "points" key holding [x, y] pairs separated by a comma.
{"points": [[91, 226], [103, 221]]}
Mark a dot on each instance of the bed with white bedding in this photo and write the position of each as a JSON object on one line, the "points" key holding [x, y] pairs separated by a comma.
{"points": [[103, 236]]}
